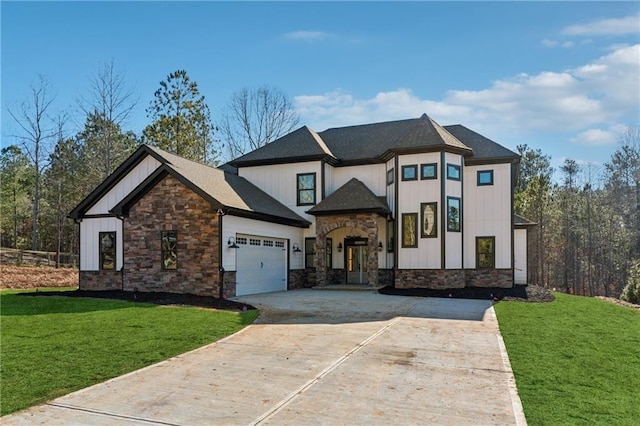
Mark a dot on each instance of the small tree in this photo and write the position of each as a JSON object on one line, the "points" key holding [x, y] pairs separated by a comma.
{"points": [[631, 292]]}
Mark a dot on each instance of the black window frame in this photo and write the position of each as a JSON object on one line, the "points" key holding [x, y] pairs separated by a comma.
{"points": [[405, 216], [435, 171], [491, 253], [390, 236], [451, 228], [164, 248], [300, 190], [455, 167], [391, 176], [480, 173], [112, 250], [434, 229], [410, 167], [310, 252]]}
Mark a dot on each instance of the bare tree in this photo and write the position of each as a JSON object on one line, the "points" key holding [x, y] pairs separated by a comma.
{"points": [[256, 117], [31, 117], [112, 101]]}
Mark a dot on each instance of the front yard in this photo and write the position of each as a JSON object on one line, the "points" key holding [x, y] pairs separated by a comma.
{"points": [[576, 360], [50, 346]]}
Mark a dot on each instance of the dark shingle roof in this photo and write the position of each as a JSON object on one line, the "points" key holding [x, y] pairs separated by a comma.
{"points": [[353, 196], [520, 221], [483, 148]]}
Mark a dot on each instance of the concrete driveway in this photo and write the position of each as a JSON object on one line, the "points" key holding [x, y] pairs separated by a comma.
{"points": [[319, 357]]}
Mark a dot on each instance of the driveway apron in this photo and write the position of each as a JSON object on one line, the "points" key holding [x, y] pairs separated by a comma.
{"points": [[315, 358]]}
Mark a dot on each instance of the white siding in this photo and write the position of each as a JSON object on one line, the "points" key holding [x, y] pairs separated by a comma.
{"points": [[373, 176], [410, 195], [487, 213], [453, 188], [520, 243], [125, 186], [89, 242], [391, 189], [279, 181], [232, 225]]}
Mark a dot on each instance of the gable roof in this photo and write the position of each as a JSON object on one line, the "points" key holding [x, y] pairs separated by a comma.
{"points": [[223, 190], [352, 197], [521, 222], [375, 143]]}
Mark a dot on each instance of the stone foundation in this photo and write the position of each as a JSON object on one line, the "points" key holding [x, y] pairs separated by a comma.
{"points": [[229, 284], [385, 277], [302, 278], [440, 279], [100, 280], [336, 276]]}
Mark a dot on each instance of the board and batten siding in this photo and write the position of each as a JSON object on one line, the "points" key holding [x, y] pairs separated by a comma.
{"points": [[233, 225], [410, 195], [520, 248], [487, 213], [90, 229], [279, 181], [453, 188], [372, 175], [124, 187]]}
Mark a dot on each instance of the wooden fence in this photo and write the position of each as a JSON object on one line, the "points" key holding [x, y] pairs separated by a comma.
{"points": [[9, 256]]}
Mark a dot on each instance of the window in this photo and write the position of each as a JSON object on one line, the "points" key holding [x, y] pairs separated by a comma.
{"points": [[485, 252], [454, 214], [453, 172], [428, 171], [390, 176], [410, 172], [280, 244], [306, 189], [169, 249], [254, 242], [409, 230], [429, 220], [485, 177], [390, 239], [310, 252], [241, 240], [107, 241]]}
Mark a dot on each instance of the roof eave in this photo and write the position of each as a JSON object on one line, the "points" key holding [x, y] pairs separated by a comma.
{"points": [[379, 211], [285, 160]]}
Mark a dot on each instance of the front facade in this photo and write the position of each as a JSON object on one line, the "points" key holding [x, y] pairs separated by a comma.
{"points": [[408, 203]]}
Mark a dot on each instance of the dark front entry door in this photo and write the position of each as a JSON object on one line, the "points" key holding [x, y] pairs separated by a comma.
{"points": [[356, 261]]}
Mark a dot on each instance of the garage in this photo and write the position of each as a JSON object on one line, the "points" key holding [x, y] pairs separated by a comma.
{"points": [[261, 264]]}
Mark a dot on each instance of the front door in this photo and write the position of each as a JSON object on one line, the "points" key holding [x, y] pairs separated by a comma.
{"points": [[356, 261]]}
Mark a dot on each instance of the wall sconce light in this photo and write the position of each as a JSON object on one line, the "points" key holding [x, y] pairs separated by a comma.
{"points": [[296, 248], [232, 243], [339, 247], [379, 245]]}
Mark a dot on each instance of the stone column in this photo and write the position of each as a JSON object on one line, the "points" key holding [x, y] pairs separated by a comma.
{"points": [[321, 251], [371, 226]]}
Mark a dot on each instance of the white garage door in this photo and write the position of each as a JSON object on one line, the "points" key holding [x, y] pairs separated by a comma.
{"points": [[261, 265]]}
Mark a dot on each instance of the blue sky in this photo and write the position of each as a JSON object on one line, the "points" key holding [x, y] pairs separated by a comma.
{"points": [[560, 76]]}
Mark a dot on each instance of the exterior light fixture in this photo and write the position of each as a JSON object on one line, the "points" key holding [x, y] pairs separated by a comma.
{"points": [[232, 243], [339, 247], [296, 248], [379, 245]]}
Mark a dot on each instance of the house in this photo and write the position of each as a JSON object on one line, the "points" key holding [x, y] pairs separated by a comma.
{"points": [[408, 203]]}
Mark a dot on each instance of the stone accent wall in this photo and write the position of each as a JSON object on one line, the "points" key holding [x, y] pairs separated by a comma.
{"points": [[100, 280], [385, 277], [336, 276], [366, 222], [229, 284], [171, 206], [440, 279], [301, 278]]}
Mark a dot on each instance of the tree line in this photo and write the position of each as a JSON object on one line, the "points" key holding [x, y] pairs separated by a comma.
{"points": [[49, 170]]}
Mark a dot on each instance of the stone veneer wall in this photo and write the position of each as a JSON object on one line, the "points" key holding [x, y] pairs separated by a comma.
{"points": [[171, 206], [440, 279], [105, 279], [385, 277], [302, 278], [229, 284]]}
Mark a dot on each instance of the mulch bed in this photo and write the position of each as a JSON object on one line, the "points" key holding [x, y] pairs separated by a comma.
{"points": [[518, 293], [158, 298]]}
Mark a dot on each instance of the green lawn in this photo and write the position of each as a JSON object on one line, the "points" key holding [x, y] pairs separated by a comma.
{"points": [[50, 346], [576, 360]]}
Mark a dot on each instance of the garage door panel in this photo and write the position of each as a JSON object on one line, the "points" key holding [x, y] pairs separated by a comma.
{"points": [[261, 265]]}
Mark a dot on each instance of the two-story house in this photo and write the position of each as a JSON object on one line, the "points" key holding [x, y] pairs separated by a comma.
{"points": [[408, 203]]}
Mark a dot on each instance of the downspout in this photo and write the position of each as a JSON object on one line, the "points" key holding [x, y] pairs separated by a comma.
{"points": [[220, 213], [121, 219]]}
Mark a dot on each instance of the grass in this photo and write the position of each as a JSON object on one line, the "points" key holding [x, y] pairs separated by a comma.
{"points": [[576, 360], [50, 346]]}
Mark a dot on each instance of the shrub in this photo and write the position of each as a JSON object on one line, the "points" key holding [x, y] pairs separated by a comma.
{"points": [[631, 292]]}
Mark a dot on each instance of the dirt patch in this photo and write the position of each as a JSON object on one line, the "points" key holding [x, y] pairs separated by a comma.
{"points": [[18, 277], [517, 293], [158, 298], [619, 302]]}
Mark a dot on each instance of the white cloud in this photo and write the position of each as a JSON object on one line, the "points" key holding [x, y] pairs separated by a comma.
{"points": [[308, 36], [554, 43], [598, 137], [615, 26], [583, 99]]}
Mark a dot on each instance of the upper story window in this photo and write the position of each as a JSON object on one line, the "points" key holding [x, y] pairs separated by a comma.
{"points": [[485, 177], [107, 241], [410, 172], [169, 250], [485, 252], [390, 175], [453, 172], [454, 214], [428, 171], [306, 189]]}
